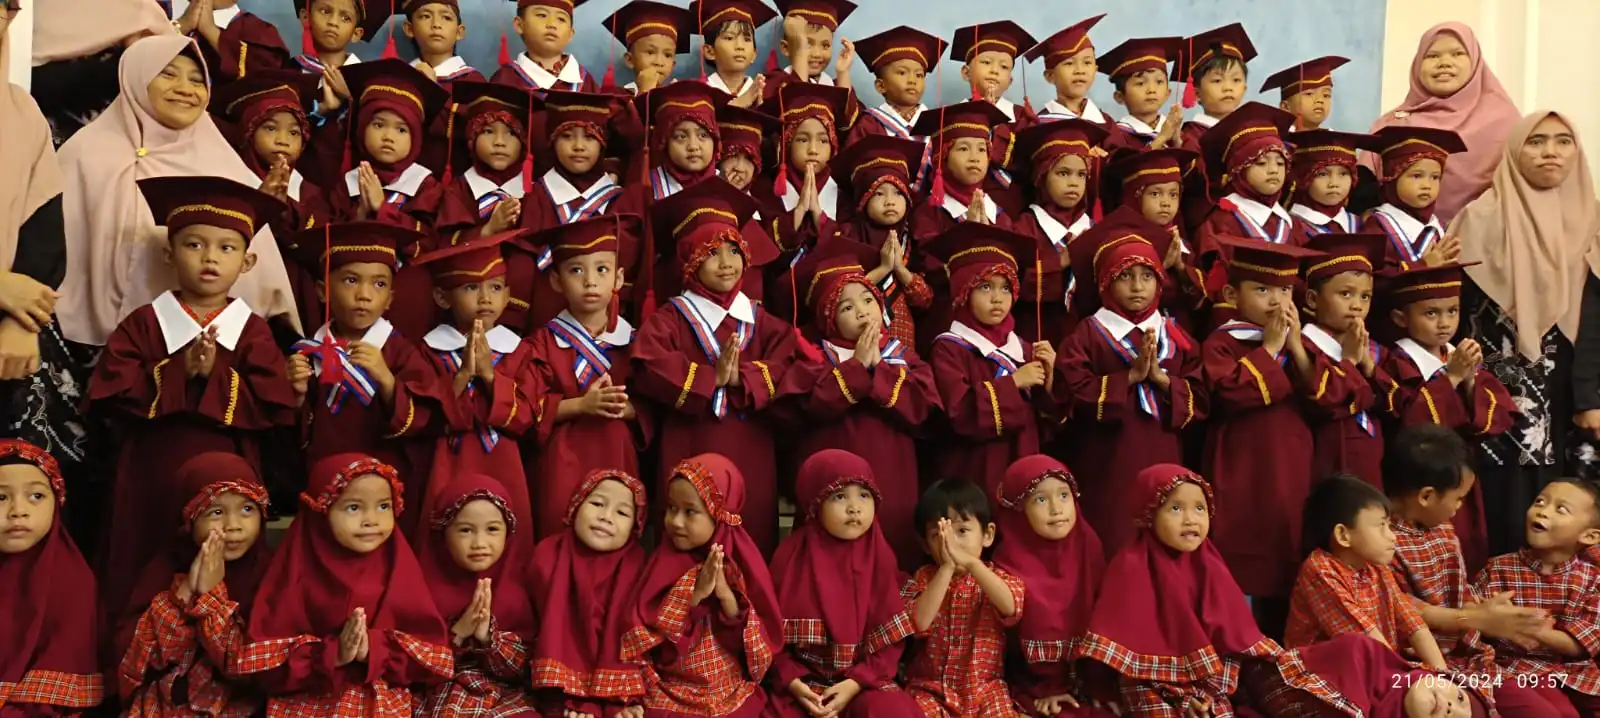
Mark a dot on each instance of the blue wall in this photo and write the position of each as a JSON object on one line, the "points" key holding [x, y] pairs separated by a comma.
{"points": [[1284, 33]]}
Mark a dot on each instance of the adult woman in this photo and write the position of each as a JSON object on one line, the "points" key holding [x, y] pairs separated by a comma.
{"points": [[1536, 231], [157, 127], [76, 44]]}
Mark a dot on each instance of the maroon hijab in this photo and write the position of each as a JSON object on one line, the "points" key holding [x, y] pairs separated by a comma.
{"points": [[452, 585], [1061, 576], [1369, 674], [966, 281]]}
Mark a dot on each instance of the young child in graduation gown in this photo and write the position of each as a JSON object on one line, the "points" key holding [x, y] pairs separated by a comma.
{"points": [[1413, 161], [475, 574], [233, 42], [1130, 376], [192, 371], [1152, 183], [706, 623], [1256, 171], [900, 60], [962, 144], [744, 134], [865, 393], [806, 42], [48, 667], [344, 622], [1060, 159], [712, 359], [583, 581], [485, 199], [653, 35], [1214, 64], [1138, 70], [988, 53], [546, 29], [1306, 90], [844, 621], [330, 27], [436, 27], [880, 174], [1323, 176], [727, 30], [804, 202], [185, 621], [1049, 546], [1069, 67]]}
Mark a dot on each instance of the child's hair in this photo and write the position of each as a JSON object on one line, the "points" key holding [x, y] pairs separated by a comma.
{"points": [[1220, 63], [960, 497], [1425, 456], [1590, 488], [738, 26], [1338, 499]]}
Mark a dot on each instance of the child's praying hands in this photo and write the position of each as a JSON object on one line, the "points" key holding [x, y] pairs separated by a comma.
{"points": [[474, 621], [505, 216], [728, 362], [277, 180], [1169, 131], [209, 566], [482, 355], [1275, 334], [975, 209], [201, 355], [1463, 363], [371, 192], [353, 639], [605, 399], [1175, 251], [954, 555], [867, 345], [1444, 251], [705, 582]]}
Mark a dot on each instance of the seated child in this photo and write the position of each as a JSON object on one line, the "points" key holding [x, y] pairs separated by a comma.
{"points": [[1152, 183], [1359, 675], [728, 41], [900, 60], [330, 27], [961, 607], [653, 35], [814, 117], [192, 371], [1214, 66], [594, 563], [344, 588], [1069, 67], [716, 359], [1248, 150], [992, 386], [233, 42], [744, 131], [1138, 71], [988, 53], [707, 623], [1061, 159], [1057, 557], [844, 621], [1323, 174], [436, 26], [486, 198], [880, 182], [865, 392], [807, 43], [1129, 374], [475, 575], [1413, 168], [185, 621], [49, 664], [1306, 91], [545, 27]]}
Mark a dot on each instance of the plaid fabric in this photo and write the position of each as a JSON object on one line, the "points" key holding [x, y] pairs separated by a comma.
{"points": [[809, 637], [1428, 564], [53, 688], [487, 683], [548, 673], [1571, 593], [1284, 687], [958, 665], [374, 700], [172, 645], [707, 679], [916, 295], [1331, 599]]}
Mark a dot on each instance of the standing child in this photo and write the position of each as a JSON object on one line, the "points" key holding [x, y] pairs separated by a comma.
{"points": [[653, 35], [1245, 154], [1138, 71], [330, 27], [844, 621], [988, 54], [962, 135], [1213, 63], [728, 41], [1069, 66], [436, 27], [345, 589], [233, 42], [684, 141], [807, 43], [545, 27], [1061, 161], [1152, 183], [744, 133], [1413, 168], [1306, 91], [814, 118], [1322, 176], [881, 171], [707, 623], [900, 60], [486, 198]]}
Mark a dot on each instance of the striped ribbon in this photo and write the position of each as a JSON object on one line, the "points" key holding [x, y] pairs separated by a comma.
{"points": [[1256, 231], [1402, 244], [1003, 365], [353, 380], [488, 437], [1128, 351], [592, 361], [706, 336]]}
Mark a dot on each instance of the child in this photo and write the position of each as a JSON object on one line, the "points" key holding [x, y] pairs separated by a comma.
{"points": [[866, 393], [900, 60], [814, 118], [48, 667], [880, 179], [485, 199], [807, 43], [233, 42], [707, 597], [653, 35], [991, 385], [1322, 176], [330, 28], [1069, 67], [1061, 161], [1307, 91], [684, 141], [186, 619], [475, 575], [546, 29], [1413, 166], [961, 135], [436, 27], [1138, 71], [1151, 183], [1056, 555], [190, 372], [345, 589], [961, 606], [1130, 375], [728, 42], [744, 132], [988, 52], [844, 622], [1214, 65], [715, 360], [581, 358], [591, 568], [1247, 154]]}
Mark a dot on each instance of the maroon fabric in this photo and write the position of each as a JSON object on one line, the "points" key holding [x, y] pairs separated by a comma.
{"points": [[364, 114], [1061, 576], [664, 128], [1237, 183], [452, 585], [1391, 194], [965, 282], [1119, 258], [1370, 674]]}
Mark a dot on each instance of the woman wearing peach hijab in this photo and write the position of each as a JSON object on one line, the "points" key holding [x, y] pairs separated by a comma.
{"points": [[76, 44]]}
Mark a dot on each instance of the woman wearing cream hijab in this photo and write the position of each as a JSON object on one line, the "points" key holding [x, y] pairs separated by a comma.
{"points": [[76, 44]]}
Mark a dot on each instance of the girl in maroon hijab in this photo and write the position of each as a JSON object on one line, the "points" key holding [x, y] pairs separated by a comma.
{"points": [[185, 620], [485, 199], [706, 620], [582, 582], [880, 172], [345, 623], [47, 607], [1368, 675], [844, 620], [1246, 155]]}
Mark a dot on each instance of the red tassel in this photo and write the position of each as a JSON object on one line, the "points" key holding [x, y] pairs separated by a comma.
{"points": [[389, 52], [647, 306], [332, 368], [936, 193], [527, 172], [976, 93], [1190, 99], [609, 81], [772, 60], [308, 46], [505, 51], [780, 186], [1095, 212]]}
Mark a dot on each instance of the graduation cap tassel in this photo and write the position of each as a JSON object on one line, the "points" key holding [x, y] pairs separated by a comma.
{"points": [[772, 54], [780, 186], [1095, 165], [389, 52], [936, 192], [505, 51], [647, 251], [1190, 96], [977, 94], [1038, 303], [449, 142], [609, 80], [328, 351], [527, 151]]}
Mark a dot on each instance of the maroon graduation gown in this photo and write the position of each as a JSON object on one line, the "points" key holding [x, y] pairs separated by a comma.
{"points": [[993, 423], [1041, 310], [445, 129], [247, 45], [305, 264], [928, 221], [1346, 413], [528, 285], [412, 308]]}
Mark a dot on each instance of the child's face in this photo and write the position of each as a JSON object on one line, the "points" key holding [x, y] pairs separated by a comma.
{"points": [[1369, 537], [360, 294], [208, 260], [233, 515], [1159, 202], [966, 532], [1341, 303], [604, 520], [689, 525], [887, 206], [1432, 698], [857, 309], [363, 517], [1145, 92], [576, 150], [545, 31], [1430, 507], [498, 146], [1430, 322], [1311, 106], [179, 94], [27, 507], [480, 302], [652, 52], [1266, 174], [1067, 182], [738, 169], [588, 282], [1331, 186], [1184, 519], [278, 136], [722, 270], [991, 300], [902, 82], [818, 49], [1418, 186], [968, 160], [387, 138], [334, 24], [1051, 509], [436, 27], [1135, 288], [809, 146], [477, 537], [1221, 91], [1562, 518], [1073, 76], [690, 148], [848, 513], [989, 70], [733, 49], [1258, 302]]}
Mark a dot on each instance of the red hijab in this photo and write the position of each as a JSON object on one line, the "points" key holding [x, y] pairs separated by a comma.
{"points": [[1061, 576], [1000, 333], [386, 172], [825, 311], [853, 587], [696, 247], [581, 598], [1391, 190], [452, 585], [663, 133], [1119, 258], [1240, 160]]}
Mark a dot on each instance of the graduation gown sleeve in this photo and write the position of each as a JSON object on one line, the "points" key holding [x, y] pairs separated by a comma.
{"points": [[1241, 377], [668, 373], [982, 410]]}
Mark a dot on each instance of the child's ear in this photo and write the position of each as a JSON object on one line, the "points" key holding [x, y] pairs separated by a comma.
{"points": [[1311, 300], [709, 52], [166, 252], [303, 15], [622, 280], [1398, 316], [1589, 537], [966, 73], [783, 46], [555, 281], [516, 24], [322, 288], [1426, 495], [1230, 294], [461, 31], [249, 262], [1284, 105], [1119, 98], [877, 84], [627, 60], [440, 298], [358, 34], [1341, 536], [988, 535], [410, 33]]}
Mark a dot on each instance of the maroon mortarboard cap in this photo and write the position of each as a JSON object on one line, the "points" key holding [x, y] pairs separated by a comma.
{"points": [[1402, 147], [1345, 253], [1000, 36], [1126, 175], [468, 262], [412, 6], [667, 105], [566, 6], [743, 130], [974, 118], [395, 85], [900, 43], [1227, 41], [1308, 75], [1316, 149], [1424, 283], [617, 233], [875, 159], [1252, 260], [473, 100], [796, 102], [563, 109], [833, 260], [697, 214], [1039, 147], [357, 243], [374, 14], [1097, 248], [827, 13], [711, 14], [178, 202], [262, 93], [973, 249], [642, 18], [1243, 134], [1064, 44], [1140, 54]]}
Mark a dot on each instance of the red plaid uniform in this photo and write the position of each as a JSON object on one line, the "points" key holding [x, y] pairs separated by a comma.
{"points": [[807, 643], [958, 665], [1160, 686], [1331, 599], [1428, 564], [191, 644], [707, 679], [488, 681], [53, 688], [377, 699], [1571, 593]]}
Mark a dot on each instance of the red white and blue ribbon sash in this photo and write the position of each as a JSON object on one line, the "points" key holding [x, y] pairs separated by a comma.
{"points": [[1403, 245], [1256, 231], [488, 437], [1128, 352], [663, 185], [311, 63], [397, 198], [590, 204], [489, 201], [1003, 364], [353, 380], [465, 69], [892, 353], [591, 360], [706, 336]]}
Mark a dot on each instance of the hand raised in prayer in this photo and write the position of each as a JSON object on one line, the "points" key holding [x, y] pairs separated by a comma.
{"points": [[351, 637]]}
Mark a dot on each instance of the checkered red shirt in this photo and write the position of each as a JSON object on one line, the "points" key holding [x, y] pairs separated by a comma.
{"points": [[369, 700], [1571, 593], [707, 678], [172, 643], [488, 682], [958, 665], [1428, 564], [808, 641], [1331, 599]]}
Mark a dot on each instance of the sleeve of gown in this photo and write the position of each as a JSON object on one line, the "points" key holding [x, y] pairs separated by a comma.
{"points": [[786, 668], [1338, 389], [133, 382], [400, 659], [1087, 392], [664, 371], [305, 667], [42, 245], [506, 656], [1586, 350], [220, 635], [1186, 396], [1489, 404], [1242, 381], [517, 401], [906, 392], [878, 668], [759, 378], [832, 390], [250, 392], [416, 394], [161, 638], [981, 410]]}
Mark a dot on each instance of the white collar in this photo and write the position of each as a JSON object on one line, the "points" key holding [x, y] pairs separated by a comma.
{"points": [[1012, 349], [1426, 361], [449, 67], [570, 72], [1138, 126], [296, 181], [618, 336], [1057, 232], [1258, 212], [820, 79], [958, 210], [377, 335], [741, 309], [481, 185], [1411, 226], [633, 87], [1091, 111], [1205, 120], [178, 328], [1324, 341], [1343, 219], [828, 197], [562, 191], [408, 183], [447, 338], [224, 16], [1119, 326], [1008, 107], [840, 354], [889, 110], [715, 80]]}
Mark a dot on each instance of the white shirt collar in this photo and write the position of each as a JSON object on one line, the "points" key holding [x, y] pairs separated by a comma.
{"points": [[1258, 212], [1119, 326], [1055, 230], [1205, 120], [959, 210], [1012, 349], [450, 67], [562, 191], [820, 79], [1344, 218], [619, 336], [741, 309], [1324, 341], [828, 197], [1411, 226], [178, 328], [889, 110], [377, 335], [570, 71], [296, 181], [715, 80], [447, 338], [224, 16], [1091, 111], [840, 354], [1138, 126], [481, 185], [1008, 107], [1426, 361], [408, 183]]}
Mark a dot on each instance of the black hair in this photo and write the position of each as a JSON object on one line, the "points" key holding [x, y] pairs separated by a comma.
{"points": [[1336, 500], [1219, 62], [1588, 487], [1120, 82], [952, 496], [1425, 456], [722, 27]]}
